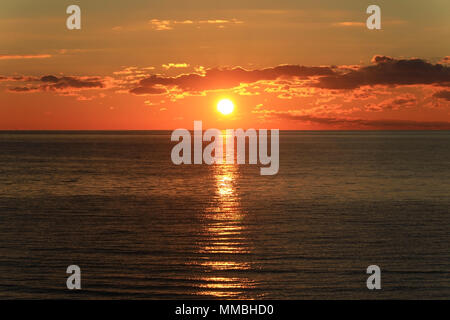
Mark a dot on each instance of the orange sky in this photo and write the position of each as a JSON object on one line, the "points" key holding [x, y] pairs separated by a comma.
{"points": [[285, 64]]}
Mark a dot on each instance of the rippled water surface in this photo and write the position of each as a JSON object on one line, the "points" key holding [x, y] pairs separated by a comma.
{"points": [[140, 227]]}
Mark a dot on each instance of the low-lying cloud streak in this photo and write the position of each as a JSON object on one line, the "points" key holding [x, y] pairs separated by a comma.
{"points": [[52, 83], [26, 56]]}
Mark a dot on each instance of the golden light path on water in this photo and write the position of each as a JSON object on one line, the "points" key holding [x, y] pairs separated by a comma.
{"points": [[226, 243]]}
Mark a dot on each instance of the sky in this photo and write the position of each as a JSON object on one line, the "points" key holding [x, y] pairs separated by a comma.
{"points": [[286, 64]]}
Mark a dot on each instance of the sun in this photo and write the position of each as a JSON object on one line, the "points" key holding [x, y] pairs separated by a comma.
{"points": [[225, 106]]}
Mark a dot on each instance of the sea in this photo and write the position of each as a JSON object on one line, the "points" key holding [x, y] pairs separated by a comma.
{"points": [[140, 227]]}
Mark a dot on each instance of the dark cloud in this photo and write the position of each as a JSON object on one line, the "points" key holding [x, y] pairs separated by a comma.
{"points": [[148, 90], [18, 78], [23, 89], [403, 101], [215, 79], [374, 124], [389, 71], [442, 95], [380, 59], [71, 82], [397, 103], [384, 71], [64, 84], [49, 79], [445, 60]]}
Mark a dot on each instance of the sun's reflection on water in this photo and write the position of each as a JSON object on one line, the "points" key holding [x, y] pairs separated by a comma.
{"points": [[225, 246]]}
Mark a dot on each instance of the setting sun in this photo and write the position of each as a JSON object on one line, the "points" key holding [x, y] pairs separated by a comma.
{"points": [[225, 106]]}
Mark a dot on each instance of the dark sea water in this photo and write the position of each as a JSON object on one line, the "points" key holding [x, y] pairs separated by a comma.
{"points": [[140, 227]]}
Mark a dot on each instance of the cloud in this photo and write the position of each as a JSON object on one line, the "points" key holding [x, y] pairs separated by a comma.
{"points": [[126, 71], [161, 25], [381, 59], [184, 22], [371, 91], [363, 24], [443, 94], [18, 78], [27, 56], [384, 123], [388, 71], [49, 79], [395, 124], [364, 93], [164, 25], [215, 79], [221, 21], [384, 71], [24, 89], [445, 60], [396, 103], [175, 65], [147, 91], [349, 24], [61, 84]]}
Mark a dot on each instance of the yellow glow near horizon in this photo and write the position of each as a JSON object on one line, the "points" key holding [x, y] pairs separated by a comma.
{"points": [[225, 106]]}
